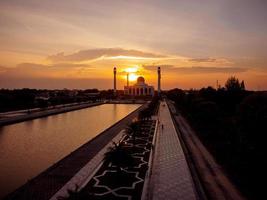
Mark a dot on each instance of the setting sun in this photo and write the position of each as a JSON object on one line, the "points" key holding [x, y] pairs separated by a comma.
{"points": [[132, 77], [132, 72]]}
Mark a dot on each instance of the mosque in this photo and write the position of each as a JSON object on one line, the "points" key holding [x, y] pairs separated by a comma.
{"points": [[140, 88]]}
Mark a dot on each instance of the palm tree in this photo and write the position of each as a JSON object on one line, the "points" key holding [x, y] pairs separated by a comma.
{"points": [[142, 115], [133, 129], [145, 114], [118, 156]]}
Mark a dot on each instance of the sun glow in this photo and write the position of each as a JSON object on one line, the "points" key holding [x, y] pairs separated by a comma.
{"points": [[132, 73], [132, 77], [131, 70]]}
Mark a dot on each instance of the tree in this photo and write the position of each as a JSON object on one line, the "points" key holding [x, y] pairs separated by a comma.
{"points": [[242, 85], [208, 93], [252, 119], [232, 84], [145, 114], [176, 95], [132, 130], [118, 156], [206, 114], [42, 103]]}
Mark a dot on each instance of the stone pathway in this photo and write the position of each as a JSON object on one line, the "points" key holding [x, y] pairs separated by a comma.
{"points": [[171, 178]]}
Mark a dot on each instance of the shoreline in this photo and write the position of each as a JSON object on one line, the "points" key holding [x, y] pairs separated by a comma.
{"points": [[44, 185], [45, 113]]}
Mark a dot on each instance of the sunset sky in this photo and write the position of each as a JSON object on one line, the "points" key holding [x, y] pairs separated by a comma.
{"points": [[76, 43]]}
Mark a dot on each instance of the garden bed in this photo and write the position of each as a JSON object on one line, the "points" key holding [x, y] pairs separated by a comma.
{"points": [[128, 183]]}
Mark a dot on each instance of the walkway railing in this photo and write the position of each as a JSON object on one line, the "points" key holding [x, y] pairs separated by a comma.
{"points": [[147, 186]]}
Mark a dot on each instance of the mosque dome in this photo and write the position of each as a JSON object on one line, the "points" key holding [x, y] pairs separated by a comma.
{"points": [[140, 80]]}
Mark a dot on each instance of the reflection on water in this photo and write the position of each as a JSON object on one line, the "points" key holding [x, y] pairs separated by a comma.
{"points": [[27, 148]]}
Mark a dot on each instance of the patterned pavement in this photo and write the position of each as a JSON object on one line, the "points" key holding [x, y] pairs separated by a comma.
{"points": [[107, 184], [171, 178]]}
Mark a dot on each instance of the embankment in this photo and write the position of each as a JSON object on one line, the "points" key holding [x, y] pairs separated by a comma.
{"points": [[45, 113]]}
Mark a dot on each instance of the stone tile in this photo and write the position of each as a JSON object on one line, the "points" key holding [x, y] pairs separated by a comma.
{"points": [[171, 178]]}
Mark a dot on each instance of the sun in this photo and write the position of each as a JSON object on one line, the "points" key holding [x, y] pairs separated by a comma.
{"points": [[132, 77], [132, 72]]}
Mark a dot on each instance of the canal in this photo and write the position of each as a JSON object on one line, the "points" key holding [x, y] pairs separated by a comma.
{"points": [[30, 147]]}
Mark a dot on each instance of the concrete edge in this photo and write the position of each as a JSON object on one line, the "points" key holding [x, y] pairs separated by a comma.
{"points": [[146, 188]]}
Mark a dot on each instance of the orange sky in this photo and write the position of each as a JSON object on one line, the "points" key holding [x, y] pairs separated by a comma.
{"points": [[76, 44]]}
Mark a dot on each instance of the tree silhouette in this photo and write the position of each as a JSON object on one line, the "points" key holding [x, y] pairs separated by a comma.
{"points": [[231, 122], [132, 130], [118, 156], [242, 85], [232, 84], [145, 114], [252, 119]]}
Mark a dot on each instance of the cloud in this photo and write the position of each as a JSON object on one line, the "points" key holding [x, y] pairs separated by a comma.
{"points": [[206, 61], [34, 70], [54, 83], [197, 70], [92, 54], [61, 75], [54, 66], [203, 60]]}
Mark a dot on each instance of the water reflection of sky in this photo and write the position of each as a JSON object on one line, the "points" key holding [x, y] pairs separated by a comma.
{"points": [[29, 147]]}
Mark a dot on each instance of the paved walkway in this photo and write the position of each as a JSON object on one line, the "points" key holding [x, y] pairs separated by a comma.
{"points": [[171, 178]]}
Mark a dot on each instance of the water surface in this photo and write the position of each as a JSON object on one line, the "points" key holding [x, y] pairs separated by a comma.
{"points": [[30, 147]]}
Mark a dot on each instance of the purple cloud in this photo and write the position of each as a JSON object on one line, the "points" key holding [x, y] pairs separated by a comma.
{"points": [[197, 70], [92, 54]]}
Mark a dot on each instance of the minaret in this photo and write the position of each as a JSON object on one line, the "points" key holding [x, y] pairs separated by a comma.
{"points": [[159, 77], [115, 84], [127, 79]]}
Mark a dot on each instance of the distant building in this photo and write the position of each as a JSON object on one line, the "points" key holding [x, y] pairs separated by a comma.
{"points": [[139, 89]]}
